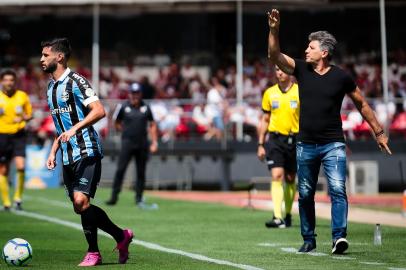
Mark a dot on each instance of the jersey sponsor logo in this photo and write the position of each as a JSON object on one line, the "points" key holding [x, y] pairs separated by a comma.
{"points": [[127, 109], [83, 181], [293, 104], [82, 81], [270, 162], [143, 109], [65, 96], [90, 92], [60, 110]]}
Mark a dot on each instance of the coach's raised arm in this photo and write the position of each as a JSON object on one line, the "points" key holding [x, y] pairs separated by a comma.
{"points": [[283, 61]]}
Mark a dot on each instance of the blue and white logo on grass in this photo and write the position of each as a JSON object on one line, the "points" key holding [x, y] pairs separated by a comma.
{"points": [[83, 181], [17, 252]]}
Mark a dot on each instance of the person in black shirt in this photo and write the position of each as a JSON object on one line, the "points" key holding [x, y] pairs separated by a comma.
{"points": [[134, 118], [320, 141]]}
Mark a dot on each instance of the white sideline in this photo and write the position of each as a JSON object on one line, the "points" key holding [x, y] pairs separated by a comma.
{"points": [[138, 242]]}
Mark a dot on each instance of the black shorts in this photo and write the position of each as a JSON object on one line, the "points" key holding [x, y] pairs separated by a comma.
{"points": [[12, 145], [82, 176], [281, 152]]}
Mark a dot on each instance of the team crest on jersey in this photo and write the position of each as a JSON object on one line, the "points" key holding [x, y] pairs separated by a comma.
{"points": [[65, 96], [127, 109], [143, 109], [89, 92], [293, 104]]}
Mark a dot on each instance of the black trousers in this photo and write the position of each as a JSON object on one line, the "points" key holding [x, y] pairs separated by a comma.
{"points": [[141, 158]]}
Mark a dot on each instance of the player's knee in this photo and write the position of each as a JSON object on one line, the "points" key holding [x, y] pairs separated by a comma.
{"points": [[80, 205]]}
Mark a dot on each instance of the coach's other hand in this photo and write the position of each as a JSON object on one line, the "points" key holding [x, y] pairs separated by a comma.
{"points": [[382, 141]]}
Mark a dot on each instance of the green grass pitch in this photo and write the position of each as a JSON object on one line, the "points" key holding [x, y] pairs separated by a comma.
{"points": [[215, 231]]}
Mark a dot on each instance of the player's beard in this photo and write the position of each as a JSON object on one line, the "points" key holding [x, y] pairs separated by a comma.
{"points": [[50, 68]]}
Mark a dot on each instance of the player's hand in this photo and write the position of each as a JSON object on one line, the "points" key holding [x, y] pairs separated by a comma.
{"points": [[153, 148], [65, 137], [261, 153], [51, 162], [273, 19], [382, 141]]}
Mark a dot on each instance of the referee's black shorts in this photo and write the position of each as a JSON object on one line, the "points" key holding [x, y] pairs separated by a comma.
{"points": [[281, 152], [12, 145], [82, 176]]}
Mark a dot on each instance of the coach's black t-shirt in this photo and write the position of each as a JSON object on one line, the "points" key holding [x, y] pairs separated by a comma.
{"points": [[321, 97], [135, 124]]}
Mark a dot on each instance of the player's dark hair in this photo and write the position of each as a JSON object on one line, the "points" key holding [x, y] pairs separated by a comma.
{"points": [[8, 72], [61, 45], [327, 41]]}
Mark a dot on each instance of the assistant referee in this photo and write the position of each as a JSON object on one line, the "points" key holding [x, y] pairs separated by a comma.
{"points": [[281, 106], [15, 111]]}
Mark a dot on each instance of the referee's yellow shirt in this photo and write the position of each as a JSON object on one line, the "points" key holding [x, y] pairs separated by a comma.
{"points": [[284, 109], [12, 109]]}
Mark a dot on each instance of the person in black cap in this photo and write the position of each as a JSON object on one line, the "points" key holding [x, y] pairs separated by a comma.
{"points": [[134, 118]]}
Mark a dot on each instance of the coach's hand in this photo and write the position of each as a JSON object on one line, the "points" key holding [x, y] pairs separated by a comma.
{"points": [[382, 141], [51, 162], [274, 19], [261, 152], [65, 137]]}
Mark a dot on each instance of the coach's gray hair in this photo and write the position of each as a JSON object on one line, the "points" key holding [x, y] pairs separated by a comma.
{"points": [[327, 41]]}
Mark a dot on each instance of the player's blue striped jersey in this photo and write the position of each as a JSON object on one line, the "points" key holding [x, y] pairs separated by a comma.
{"points": [[68, 98]]}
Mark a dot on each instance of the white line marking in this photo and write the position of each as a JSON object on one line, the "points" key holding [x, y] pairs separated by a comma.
{"points": [[342, 258], [138, 242], [290, 250], [372, 263], [394, 268]]}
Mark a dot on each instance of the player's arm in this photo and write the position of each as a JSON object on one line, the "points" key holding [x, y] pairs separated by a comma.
{"points": [[51, 161], [368, 114], [96, 112], [263, 129], [284, 62]]}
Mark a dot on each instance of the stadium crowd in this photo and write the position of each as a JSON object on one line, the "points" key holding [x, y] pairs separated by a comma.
{"points": [[193, 101]]}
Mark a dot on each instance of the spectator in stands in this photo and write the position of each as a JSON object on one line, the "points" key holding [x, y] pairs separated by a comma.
{"points": [[148, 90], [281, 106], [215, 108]]}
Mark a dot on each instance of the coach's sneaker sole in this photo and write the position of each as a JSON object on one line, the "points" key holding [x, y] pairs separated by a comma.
{"points": [[122, 247], [91, 259], [275, 223], [339, 246]]}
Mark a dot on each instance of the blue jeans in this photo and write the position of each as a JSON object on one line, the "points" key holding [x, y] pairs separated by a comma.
{"points": [[333, 158]]}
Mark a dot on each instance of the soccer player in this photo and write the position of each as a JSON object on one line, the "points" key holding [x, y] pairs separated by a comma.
{"points": [[15, 111], [75, 107], [320, 141], [280, 104]]}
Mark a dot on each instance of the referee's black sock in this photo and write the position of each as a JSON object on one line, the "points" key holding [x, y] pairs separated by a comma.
{"points": [[104, 223], [90, 229]]}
